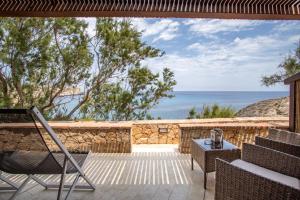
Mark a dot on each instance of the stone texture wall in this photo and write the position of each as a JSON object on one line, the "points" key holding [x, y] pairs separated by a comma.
{"points": [[108, 140], [21, 139], [168, 131], [155, 133], [118, 137], [234, 134], [104, 140]]}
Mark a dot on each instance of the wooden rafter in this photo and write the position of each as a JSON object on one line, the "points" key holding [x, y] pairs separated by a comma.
{"points": [[237, 9]]}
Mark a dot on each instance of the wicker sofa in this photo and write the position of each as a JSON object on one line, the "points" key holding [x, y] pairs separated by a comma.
{"points": [[281, 140], [261, 174]]}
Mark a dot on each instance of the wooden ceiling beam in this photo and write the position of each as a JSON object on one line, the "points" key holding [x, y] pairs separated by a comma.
{"points": [[225, 9]]}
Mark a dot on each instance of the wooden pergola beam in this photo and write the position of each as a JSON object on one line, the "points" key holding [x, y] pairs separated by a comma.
{"points": [[224, 9], [294, 112]]}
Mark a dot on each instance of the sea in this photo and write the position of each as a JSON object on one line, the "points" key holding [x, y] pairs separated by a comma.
{"points": [[179, 106]]}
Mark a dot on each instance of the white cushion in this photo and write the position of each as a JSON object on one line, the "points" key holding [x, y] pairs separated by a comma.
{"points": [[269, 174]]}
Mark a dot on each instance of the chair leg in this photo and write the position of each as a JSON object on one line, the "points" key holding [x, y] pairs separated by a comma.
{"points": [[93, 187], [5, 180], [20, 188], [39, 181], [87, 180], [62, 179], [73, 186]]}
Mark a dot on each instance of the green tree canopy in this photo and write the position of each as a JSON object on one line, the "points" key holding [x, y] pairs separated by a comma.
{"points": [[41, 57], [214, 111], [129, 99], [289, 67]]}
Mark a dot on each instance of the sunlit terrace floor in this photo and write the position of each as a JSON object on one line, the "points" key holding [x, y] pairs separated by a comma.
{"points": [[157, 172]]}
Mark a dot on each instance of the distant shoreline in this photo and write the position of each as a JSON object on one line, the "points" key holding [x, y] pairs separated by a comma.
{"points": [[278, 107], [229, 91]]}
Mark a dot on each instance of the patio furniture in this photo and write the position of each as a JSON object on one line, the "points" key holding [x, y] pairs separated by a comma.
{"points": [[281, 140], [261, 174], [205, 155], [37, 150], [11, 185]]}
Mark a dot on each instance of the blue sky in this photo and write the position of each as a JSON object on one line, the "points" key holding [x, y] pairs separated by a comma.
{"points": [[217, 55]]}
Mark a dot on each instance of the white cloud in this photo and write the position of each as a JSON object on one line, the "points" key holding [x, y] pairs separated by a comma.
{"points": [[231, 65], [165, 29], [241, 49], [234, 64], [294, 38], [286, 26], [209, 27]]}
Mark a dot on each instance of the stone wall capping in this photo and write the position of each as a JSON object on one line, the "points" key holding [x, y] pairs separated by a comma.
{"points": [[74, 125], [214, 120], [224, 125], [247, 121]]}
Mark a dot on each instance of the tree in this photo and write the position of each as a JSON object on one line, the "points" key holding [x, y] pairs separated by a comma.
{"points": [[40, 58], [290, 66], [193, 114], [214, 111], [130, 98]]}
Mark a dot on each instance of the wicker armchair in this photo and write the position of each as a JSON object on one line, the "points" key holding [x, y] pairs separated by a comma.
{"points": [[261, 174], [281, 140]]}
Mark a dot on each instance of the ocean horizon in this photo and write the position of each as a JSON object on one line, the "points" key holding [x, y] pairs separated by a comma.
{"points": [[179, 106]]}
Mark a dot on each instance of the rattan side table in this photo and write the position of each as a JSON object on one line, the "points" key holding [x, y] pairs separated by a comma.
{"points": [[206, 154]]}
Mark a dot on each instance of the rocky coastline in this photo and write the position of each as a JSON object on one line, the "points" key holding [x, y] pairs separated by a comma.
{"points": [[267, 108]]}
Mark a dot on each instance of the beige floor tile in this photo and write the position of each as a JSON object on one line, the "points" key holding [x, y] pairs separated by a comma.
{"points": [[135, 176]]}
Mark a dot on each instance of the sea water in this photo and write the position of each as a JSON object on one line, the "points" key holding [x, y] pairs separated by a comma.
{"points": [[179, 106]]}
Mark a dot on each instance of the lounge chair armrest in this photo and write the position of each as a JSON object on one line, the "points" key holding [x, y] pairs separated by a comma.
{"points": [[279, 146], [235, 183], [272, 159]]}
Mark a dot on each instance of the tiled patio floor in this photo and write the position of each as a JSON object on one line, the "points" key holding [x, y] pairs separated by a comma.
{"points": [[144, 174]]}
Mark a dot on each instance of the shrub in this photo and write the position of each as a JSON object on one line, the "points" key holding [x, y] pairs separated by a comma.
{"points": [[214, 111]]}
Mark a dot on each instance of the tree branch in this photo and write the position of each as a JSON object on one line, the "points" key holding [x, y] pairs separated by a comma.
{"points": [[5, 85], [59, 91]]}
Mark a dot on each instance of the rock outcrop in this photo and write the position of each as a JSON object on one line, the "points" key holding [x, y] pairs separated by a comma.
{"points": [[266, 108]]}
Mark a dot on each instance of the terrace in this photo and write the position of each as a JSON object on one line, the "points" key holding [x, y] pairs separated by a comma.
{"points": [[143, 174], [129, 163], [151, 160]]}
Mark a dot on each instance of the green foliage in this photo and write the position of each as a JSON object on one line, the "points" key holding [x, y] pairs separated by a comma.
{"points": [[132, 97], [289, 67], [41, 57], [193, 114], [214, 111]]}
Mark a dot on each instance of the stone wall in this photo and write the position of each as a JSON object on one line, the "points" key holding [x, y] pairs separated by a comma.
{"points": [[168, 131], [236, 134], [97, 139], [102, 140], [155, 133], [118, 137]]}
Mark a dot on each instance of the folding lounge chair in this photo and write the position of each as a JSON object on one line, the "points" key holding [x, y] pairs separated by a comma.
{"points": [[11, 185], [26, 149]]}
